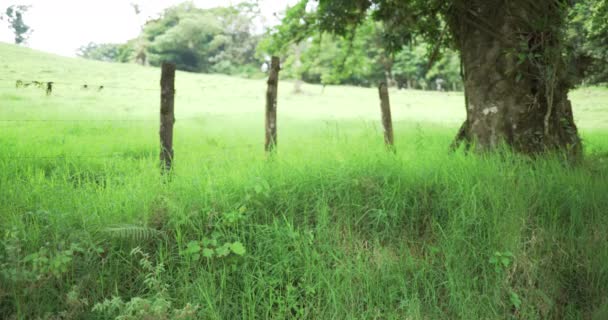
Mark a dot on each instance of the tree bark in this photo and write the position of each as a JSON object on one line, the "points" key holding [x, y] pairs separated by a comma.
{"points": [[297, 87], [271, 105], [387, 121], [516, 87], [167, 115]]}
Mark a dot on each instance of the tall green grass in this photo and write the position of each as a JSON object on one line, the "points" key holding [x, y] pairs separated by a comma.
{"points": [[346, 232], [332, 226]]}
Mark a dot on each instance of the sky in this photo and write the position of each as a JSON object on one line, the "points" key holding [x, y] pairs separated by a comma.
{"points": [[63, 26]]}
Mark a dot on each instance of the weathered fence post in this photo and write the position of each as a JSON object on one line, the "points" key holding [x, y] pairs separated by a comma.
{"points": [[387, 121], [271, 105], [167, 115], [49, 88]]}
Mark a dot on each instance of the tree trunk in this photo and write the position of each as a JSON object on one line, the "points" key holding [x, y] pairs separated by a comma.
{"points": [[271, 105], [516, 89], [387, 120], [297, 87], [387, 63]]}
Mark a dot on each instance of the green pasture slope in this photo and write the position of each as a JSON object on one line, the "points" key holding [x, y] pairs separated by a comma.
{"points": [[332, 227]]}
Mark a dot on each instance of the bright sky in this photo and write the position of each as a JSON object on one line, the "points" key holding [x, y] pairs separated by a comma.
{"points": [[62, 26]]}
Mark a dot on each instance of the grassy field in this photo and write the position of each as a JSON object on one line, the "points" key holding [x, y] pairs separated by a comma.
{"points": [[332, 227]]}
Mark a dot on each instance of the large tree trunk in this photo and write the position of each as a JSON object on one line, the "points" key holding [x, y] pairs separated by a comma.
{"points": [[516, 87]]}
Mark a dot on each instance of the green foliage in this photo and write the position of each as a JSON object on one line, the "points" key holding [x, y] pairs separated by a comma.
{"points": [[403, 20], [365, 55], [211, 249], [587, 36], [295, 28], [214, 246], [203, 40], [435, 23], [217, 40], [45, 264], [515, 300], [108, 52], [334, 227], [156, 305], [501, 261], [14, 15]]}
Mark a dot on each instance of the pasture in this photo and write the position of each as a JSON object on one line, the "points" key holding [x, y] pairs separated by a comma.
{"points": [[331, 227]]}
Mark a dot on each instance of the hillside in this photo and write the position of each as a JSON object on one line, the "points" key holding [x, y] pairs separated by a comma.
{"points": [[202, 95], [330, 227]]}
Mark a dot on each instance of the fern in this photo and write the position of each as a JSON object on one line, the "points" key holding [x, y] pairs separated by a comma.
{"points": [[133, 232]]}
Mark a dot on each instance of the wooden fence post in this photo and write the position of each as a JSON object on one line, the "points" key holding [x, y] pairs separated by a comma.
{"points": [[167, 115], [271, 105], [387, 121]]}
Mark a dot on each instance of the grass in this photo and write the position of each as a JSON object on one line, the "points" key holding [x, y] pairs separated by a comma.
{"points": [[332, 227]]}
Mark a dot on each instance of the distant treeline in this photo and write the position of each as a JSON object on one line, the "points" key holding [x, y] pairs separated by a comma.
{"points": [[224, 40], [219, 40]]}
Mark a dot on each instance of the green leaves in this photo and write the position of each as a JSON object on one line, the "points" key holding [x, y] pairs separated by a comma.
{"points": [[233, 217], [47, 263], [192, 250], [515, 300], [214, 245], [14, 15], [203, 40], [155, 304], [208, 253], [364, 46], [237, 248], [209, 249], [296, 25], [586, 35], [223, 251], [501, 260]]}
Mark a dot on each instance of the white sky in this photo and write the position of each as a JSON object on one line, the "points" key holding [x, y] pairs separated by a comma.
{"points": [[62, 26]]}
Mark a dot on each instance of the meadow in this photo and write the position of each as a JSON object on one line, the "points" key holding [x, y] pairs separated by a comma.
{"points": [[331, 227]]}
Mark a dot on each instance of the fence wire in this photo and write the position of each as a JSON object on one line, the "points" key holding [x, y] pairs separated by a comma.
{"points": [[24, 84], [14, 121], [216, 154], [49, 86]]}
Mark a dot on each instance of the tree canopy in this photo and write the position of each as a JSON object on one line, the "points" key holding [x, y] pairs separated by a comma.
{"points": [[203, 40], [409, 25], [362, 42], [514, 57], [588, 39], [109, 52], [364, 54], [218, 40], [14, 15]]}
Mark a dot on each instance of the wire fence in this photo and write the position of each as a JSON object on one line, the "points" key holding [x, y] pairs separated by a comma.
{"points": [[36, 84], [49, 86], [43, 84], [217, 152], [78, 120], [94, 120], [83, 85]]}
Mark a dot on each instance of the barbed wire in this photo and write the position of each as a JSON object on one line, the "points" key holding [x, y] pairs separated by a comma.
{"points": [[85, 85], [49, 86], [128, 156], [9, 87], [77, 120], [94, 120], [20, 83]]}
